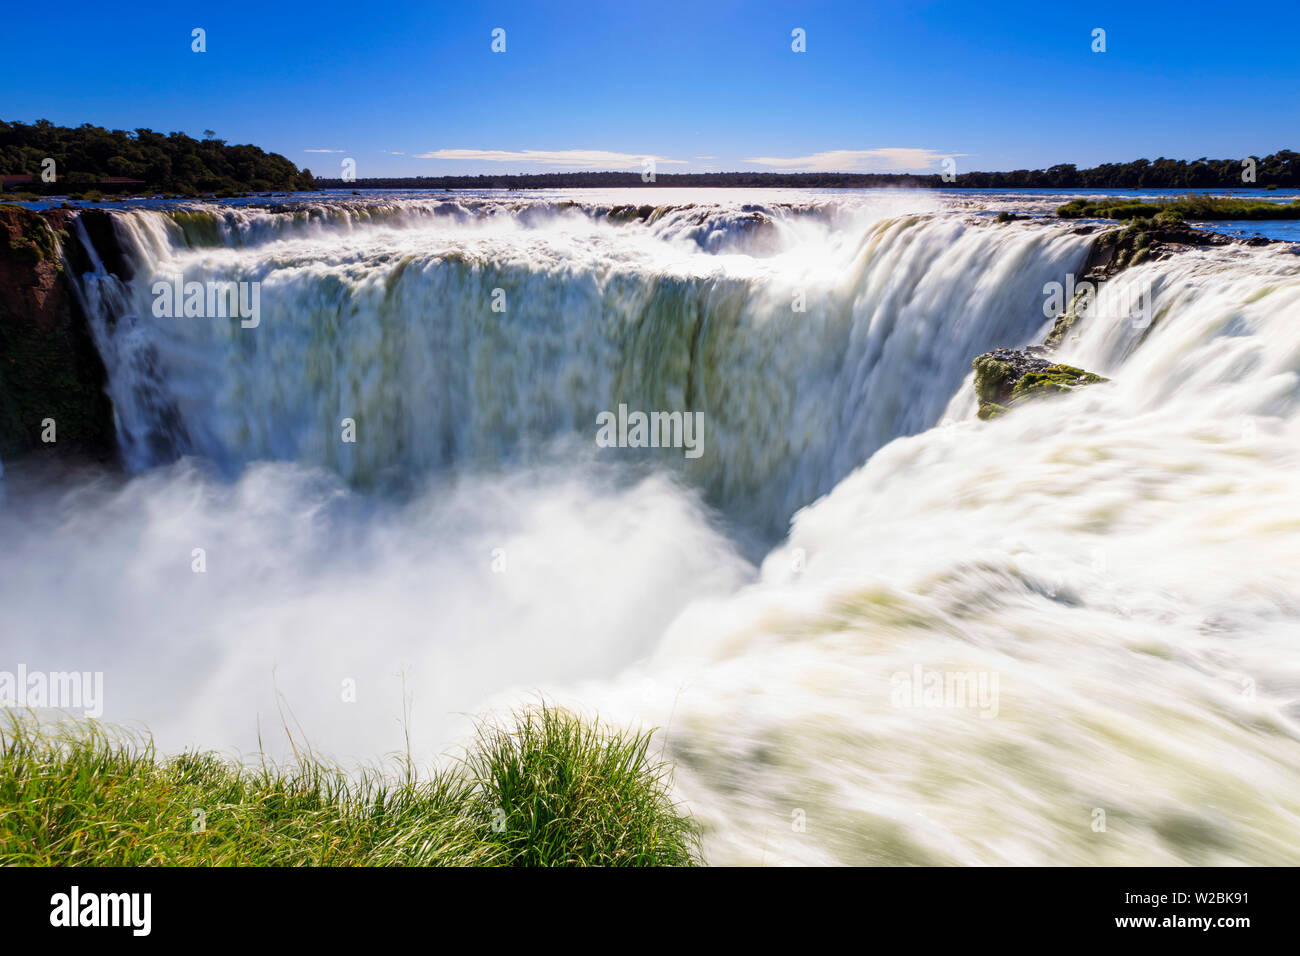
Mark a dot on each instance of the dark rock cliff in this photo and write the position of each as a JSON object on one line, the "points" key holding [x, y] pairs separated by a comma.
{"points": [[49, 367]]}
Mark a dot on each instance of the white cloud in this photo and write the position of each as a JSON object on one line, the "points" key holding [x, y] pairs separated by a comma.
{"points": [[322, 150], [887, 160], [576, 158]]}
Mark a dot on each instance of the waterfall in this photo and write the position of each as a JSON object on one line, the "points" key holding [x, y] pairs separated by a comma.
{"points": [[468, 338], [1066, 635], [1120, 565]]}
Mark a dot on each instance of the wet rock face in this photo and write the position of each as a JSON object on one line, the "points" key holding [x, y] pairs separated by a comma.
{"points": [[98, 224], [1005, 378], [1142, 240], [1117, 249], [50, 370]]}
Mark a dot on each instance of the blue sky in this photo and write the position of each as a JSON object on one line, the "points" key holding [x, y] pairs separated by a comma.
{"points": [[415, 88]]}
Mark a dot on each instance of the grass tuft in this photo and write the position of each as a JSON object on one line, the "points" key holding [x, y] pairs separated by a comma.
{"points": [[567, 793], [544, 789]]}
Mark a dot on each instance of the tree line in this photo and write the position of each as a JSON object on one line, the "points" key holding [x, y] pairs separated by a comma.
{"points": [[179, 164], [167, 163], [1281, 169]]}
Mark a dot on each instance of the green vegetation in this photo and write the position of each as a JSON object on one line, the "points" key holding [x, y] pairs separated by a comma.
{"points": [[1170, 211], [177, 164], [1053, 379], [33, 239], [1280, 169], [172, 163], [547, 789], [1277, 169], [575, 794], [990, 374], [1007, 378]]}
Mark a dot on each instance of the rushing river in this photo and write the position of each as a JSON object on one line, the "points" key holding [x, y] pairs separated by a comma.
{"points": [[389, 477]]}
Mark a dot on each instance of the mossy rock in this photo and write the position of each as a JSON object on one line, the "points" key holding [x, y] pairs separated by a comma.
{"points": [[1005, 378], [990, 374], [35, 240], [1053, 378]]}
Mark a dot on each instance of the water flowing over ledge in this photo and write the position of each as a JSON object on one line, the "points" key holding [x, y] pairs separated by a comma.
{"points": [[1122, 560], [462, 337]]}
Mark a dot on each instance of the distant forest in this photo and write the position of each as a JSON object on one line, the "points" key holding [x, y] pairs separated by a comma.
{"points": [[143, 161], [88, 156], [1280, 169]]}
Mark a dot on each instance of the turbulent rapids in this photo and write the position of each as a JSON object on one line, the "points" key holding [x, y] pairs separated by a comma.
{"points": [[874, 628]]}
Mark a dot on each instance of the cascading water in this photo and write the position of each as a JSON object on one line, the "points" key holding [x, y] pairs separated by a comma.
{"points": [[1124, 562], [1118, 567], [472, 337]]}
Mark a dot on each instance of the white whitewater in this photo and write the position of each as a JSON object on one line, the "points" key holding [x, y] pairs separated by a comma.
{"points": [[1126, 560], [1123, 561], [387, 317]]}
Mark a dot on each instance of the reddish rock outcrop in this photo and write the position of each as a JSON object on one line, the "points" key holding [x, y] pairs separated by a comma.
{"points": [[49, 367]]}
